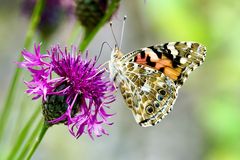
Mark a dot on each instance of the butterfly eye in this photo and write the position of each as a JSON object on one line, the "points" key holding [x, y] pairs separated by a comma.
{"points": [[160, 97], [149, 109], [162, 92], [156, 104]]}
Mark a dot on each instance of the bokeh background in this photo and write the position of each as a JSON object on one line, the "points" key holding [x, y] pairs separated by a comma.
{"points": [[205, 122]]}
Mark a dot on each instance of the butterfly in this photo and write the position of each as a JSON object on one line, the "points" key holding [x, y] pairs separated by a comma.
{"points": [[149, 78]]}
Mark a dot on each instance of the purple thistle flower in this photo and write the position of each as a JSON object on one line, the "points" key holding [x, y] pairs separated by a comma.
{"points": [[74, 91]]}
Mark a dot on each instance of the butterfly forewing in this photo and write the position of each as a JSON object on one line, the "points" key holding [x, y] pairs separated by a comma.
{"points": [[184, 58], [175, 59]]}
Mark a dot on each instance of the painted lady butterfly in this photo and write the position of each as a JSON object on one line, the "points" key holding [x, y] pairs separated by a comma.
{"points": [[149, 78]]}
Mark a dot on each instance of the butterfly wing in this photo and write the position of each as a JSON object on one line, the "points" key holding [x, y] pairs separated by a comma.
{"points": [[148, 93], [175, 59], [150, 77]]}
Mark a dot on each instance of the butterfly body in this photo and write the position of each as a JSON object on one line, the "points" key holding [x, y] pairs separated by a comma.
{"points": [[149, 78]]}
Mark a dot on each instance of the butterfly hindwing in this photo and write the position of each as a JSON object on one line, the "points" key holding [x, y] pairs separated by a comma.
{"points": [[148, 93]]}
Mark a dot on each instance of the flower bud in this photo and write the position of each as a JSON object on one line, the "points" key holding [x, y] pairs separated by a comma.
{"points": [[90, 12], [55, 106]]}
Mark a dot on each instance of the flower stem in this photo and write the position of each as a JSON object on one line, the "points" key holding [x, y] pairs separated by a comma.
{"points": [[27, 145], [33, 24], [23, 134], [10, 95], [38, 140], [90, 34]]}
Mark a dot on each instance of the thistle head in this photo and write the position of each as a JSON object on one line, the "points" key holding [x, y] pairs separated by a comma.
{"points": [[73, 89]]}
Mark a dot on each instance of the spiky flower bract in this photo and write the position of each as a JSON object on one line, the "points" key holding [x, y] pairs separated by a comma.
{"points": [[73, 90]]}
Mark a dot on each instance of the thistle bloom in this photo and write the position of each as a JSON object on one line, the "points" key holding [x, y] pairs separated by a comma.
{"points": [[73, 90]]}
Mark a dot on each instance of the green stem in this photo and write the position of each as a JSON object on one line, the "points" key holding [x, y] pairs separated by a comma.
{"points": [[23, 134], [27, 145], [34, 23], [10, 95], [38, 140], [21, 117], [90, 34]]}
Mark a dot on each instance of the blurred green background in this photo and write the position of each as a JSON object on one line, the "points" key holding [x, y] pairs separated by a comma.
{"points": [[205, 122]]}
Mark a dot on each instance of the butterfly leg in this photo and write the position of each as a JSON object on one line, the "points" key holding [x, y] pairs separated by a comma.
{"points": [[102, 70], [106, 63]]}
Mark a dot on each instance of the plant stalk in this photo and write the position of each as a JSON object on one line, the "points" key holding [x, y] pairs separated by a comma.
{"points": [[4, 116]]}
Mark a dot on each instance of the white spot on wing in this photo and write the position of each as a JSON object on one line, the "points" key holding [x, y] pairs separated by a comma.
{"points": [[153, 55], [171, 47], [189, 44], [183, 60], [146, 88]]}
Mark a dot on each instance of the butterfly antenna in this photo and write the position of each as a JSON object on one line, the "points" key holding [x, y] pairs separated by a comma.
{"points": [[102, 49], [113, 33], [123, 26]]}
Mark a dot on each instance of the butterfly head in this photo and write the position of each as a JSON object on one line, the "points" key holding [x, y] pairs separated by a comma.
{"points": [[114, 64], [116, 54]]}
